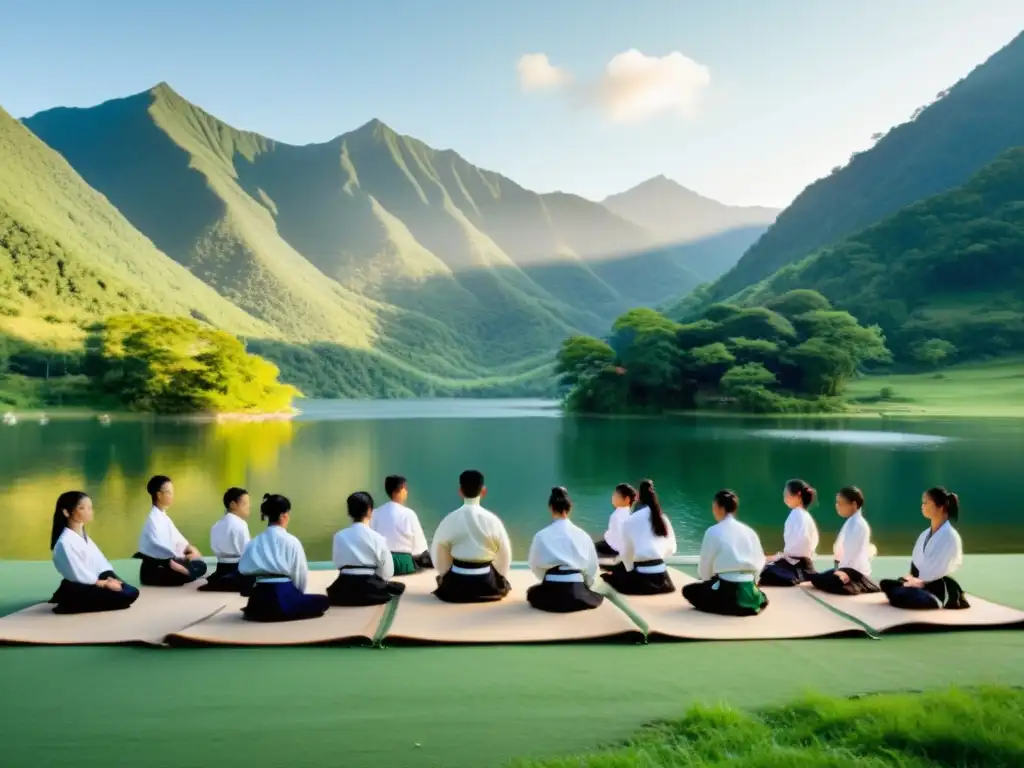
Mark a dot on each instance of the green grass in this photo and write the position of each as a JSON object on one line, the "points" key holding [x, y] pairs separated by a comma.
{"points": [[993, 389], [960, 728]]}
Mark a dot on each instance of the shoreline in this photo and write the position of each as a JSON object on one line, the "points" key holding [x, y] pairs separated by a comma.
{"points": [[81, 414]]}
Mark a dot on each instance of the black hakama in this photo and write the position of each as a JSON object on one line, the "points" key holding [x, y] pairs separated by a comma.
{"points": [[636, 582], [859, 584], [72, 597], [156, 572], [563, 591], [482, 585], [726, 598], [783, 573], [354, 589], [604, 549], [226, 578], [282, 601], [941, 593]]}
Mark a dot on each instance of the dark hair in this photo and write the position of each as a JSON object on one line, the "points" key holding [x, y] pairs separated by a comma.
{"points": [[360, 504], [155, 484], [66, 502], [727, 500], [853, 494], [803, 490], [232, 495], [393, 484], [648, 498], [274, 505], [559, 500], [946, 500], [471, 483], [626, 491]]}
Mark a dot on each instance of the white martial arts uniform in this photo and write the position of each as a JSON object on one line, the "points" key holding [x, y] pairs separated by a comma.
{"points": [[563, 544], [472, 534], [275, 552], [732, 551], [400, 527]]}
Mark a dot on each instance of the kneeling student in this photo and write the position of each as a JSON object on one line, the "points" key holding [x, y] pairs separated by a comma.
{"points": [[622, 502], [401, 528], [168, 559], [471, 550], [88, 582], [731, 558], [278, 562], [647, 539], [564, 558], [853, 550], [795, 564], [362, 558], [939, 551], [228, 540]]}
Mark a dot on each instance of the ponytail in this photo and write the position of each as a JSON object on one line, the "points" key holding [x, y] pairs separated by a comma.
{"points": [[728, 501], [66, 505], [945, 500], [648, 498], [273, 507], [803, 490]]}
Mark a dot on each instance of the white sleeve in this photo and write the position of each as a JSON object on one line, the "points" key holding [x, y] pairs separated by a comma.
{"points": [[152, 543], [72, 566], [627, 554], [533, 559], [419, 538], [706, 566], [942, 557], [855, 546], [503, 558], [179, 541], [300, 568], [386, 567], [592, 567], [336, 550], [671, 543], [441, 550], [239, 539]]}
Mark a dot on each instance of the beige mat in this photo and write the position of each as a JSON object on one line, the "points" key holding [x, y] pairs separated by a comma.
{"points": [[790, 614], [875, 611], [338, 625], [422, 618], [158, 612]]}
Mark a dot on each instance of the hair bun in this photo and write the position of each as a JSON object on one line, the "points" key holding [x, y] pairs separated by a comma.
{"points": [[559, 491]]}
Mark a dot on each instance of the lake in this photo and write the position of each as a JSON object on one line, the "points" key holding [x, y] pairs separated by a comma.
{"points": [[523, 447]]}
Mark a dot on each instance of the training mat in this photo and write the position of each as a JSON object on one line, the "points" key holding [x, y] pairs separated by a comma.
{"points": [[158, 612], [875, 611], [790, 614], [338, 625], [422, 618]]}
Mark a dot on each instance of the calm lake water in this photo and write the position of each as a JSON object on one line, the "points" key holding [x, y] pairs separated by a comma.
{"points": [[524, 448]]}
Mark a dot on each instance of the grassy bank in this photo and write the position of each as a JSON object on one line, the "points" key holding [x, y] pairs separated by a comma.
{"points": [[950, 728], [978, 390]]}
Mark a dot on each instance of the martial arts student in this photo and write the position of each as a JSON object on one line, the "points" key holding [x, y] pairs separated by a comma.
{"points": [[853, 550], [362, 558], [228, 539], [278, 562], [168, 560], [563, 557], [471, 550], [795, 564], [937, 553], [731, 557], [401, 528], [88, 582], [622, 501], [647, 539]]}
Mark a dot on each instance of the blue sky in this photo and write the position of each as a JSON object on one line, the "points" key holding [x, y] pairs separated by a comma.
{"points": [[795, 85]]}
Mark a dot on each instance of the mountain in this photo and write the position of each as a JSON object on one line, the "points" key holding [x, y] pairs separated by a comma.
{"points": [[67, 255], [372, 241], [938, 149], [676, 214], [950, 267]]}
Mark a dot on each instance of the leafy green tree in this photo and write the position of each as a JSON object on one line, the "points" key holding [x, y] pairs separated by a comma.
{"points": [[582, 356], [933, 352]]}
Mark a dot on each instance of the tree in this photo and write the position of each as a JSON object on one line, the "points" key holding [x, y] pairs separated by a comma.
{"points": [[933, 352], [746, 376], [581, 356]]}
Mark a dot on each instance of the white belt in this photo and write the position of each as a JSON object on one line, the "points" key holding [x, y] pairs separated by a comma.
{"points": [[564, 577], [736, 577], [481, 571], [272, 579], [228, 560], [650, 568], [357, 571]]}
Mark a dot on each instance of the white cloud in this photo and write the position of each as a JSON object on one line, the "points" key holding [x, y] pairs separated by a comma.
{"points": [[536, 72], [633, 86]]}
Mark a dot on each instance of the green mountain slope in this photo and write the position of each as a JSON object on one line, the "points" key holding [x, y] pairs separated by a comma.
{"points": [[67, 253], [939, 149], [950, 267], [373, 241]]}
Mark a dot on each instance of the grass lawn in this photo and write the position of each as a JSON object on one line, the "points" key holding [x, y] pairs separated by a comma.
{"points": [[994, 389], [946, 728]]}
